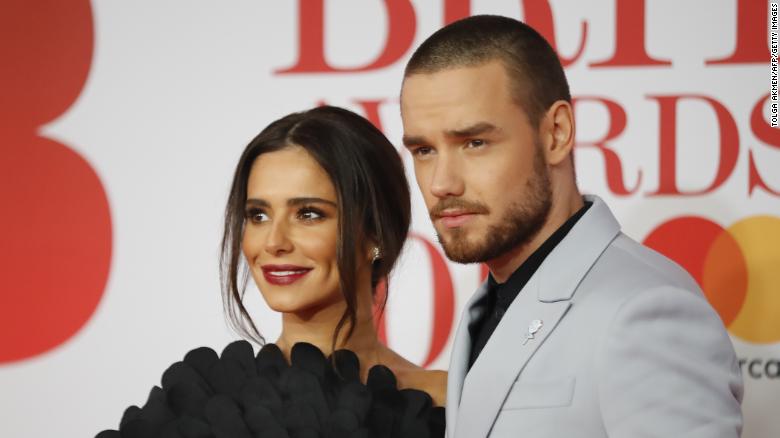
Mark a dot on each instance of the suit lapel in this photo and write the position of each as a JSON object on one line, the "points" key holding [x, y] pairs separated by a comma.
{"points": [[577, 252], [503, 358], [459, 358]]}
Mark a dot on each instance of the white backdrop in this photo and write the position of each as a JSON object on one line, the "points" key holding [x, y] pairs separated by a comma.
{"points": [[175, 89]]}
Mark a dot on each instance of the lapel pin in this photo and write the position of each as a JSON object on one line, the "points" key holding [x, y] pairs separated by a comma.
{"points": [[533, 327]]}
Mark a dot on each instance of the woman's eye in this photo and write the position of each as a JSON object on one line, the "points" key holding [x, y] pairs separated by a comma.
{"points": [[475, 143], [256, 216], [310, 214]]}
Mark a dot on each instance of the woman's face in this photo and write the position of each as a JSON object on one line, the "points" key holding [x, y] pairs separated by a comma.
{"points": [[291, 231]]}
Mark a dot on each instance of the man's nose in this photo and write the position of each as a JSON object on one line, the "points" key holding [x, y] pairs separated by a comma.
{"points": [[447, 179]]}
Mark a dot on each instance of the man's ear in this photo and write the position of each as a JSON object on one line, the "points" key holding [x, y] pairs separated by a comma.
{"points": [[557, 132]]}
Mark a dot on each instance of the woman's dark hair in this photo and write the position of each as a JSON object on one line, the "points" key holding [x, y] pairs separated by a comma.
{"points": [[372, 194]]}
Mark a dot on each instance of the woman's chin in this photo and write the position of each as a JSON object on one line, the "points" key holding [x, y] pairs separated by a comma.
{"points": [[304, 309], [283, 305], [292, 304]]}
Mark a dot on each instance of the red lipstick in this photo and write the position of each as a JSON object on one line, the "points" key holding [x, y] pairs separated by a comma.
{"points": [[282, 275]]}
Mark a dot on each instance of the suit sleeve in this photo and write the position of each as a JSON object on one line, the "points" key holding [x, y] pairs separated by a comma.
{"points": [[668, 369]]}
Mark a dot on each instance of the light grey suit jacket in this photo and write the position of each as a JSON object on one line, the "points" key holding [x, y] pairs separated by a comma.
{"points": [[628, 348]]}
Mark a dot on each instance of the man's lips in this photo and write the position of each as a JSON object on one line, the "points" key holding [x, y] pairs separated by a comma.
{"points": [[284, 274], [454, 219]]}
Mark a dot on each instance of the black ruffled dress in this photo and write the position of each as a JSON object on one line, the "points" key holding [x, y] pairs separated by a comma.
{"points": [[239, 395]]}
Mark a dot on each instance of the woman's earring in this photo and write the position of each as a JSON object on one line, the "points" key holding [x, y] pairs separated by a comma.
{"points": [[377, 254]]}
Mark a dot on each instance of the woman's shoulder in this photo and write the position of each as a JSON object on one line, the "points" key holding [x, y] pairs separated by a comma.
{"points": [[433, 382]]}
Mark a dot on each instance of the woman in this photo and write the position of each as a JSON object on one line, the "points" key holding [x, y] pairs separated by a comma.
{"points": [[318, 213], [319, 208]]}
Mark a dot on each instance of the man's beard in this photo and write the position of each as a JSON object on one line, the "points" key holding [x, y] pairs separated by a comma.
{"points": [[521, 222]]}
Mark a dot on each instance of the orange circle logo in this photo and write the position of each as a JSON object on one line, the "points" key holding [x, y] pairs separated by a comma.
{"points": [[737, 267]]}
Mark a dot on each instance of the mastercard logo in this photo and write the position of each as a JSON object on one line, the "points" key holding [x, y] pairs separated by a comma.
{"points": [[737, 267]]}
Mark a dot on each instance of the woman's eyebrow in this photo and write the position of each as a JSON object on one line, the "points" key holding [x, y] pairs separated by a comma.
{"points": [[292, 202], [309, 200], [255, 202]]}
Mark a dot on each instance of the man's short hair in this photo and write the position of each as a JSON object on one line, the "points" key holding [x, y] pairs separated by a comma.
{"points": [[536, 76]]}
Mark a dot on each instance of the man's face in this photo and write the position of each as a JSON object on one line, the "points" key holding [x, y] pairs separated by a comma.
{"points": [[478, 161]]}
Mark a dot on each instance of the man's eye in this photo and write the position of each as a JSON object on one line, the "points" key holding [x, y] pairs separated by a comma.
{"points": [[256, 216], [422, 151], [476, 143]]}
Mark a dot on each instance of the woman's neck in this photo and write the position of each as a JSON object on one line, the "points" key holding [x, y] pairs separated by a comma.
{"points": [[317, 328]]}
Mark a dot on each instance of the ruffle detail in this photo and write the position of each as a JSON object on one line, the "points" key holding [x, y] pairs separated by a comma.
{"points": [[240, 395]]}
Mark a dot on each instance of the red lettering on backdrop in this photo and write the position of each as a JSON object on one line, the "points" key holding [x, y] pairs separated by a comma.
{"points": [[751, 45], [768, 135], [537, 13], [667, 166], [443, 303], [630, 37], [455, 10], [630, 34], [539, 16], [56, 232], [401, 27], [443, 300], [617, 124]]}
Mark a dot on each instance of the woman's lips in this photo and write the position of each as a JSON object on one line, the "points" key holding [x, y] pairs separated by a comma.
{"points": [[282, 275]]}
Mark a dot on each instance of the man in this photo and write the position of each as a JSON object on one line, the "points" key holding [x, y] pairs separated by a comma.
{"points": [[579, 330]]}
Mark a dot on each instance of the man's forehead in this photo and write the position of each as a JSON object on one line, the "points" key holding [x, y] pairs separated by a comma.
{"points": [[423, 83], [453, 85]]}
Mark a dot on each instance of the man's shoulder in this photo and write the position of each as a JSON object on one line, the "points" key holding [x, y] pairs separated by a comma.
{"points": [[616, 260], [627, 269], [645, 267]]}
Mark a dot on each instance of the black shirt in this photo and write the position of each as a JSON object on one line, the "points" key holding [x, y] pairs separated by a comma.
{"points": [[500, 296]]}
